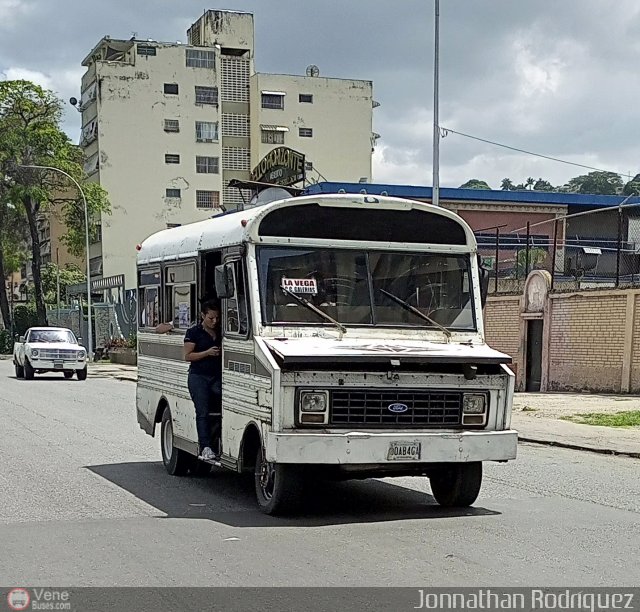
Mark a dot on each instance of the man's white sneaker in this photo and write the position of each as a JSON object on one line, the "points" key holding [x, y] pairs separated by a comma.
{"points": [[207, 454]]}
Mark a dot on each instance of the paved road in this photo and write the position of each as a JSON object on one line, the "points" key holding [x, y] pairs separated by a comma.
{"points": [[84, 501]]}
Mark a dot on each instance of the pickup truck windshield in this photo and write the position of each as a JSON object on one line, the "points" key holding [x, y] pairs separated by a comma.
{"points": [[53, 335], [353, 287]]}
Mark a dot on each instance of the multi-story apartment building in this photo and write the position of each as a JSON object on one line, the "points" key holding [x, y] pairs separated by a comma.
{"points": [[166, 126]]}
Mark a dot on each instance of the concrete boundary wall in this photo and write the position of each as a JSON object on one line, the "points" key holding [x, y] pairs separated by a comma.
{"points": [[590, 339]]}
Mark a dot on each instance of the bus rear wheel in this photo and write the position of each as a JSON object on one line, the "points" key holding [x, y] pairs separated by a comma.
{"points": [[457, 485], [279, 486], [176, 461]]}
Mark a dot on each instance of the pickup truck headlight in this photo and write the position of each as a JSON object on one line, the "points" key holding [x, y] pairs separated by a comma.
{"points": [[34, 353], [81, 354]]}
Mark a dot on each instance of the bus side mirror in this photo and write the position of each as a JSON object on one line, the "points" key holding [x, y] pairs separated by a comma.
{"points": [[21, 339], [224, 281], [484, 283]]}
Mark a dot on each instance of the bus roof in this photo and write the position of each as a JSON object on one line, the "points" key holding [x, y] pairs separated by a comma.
{"points": [[234, 228]]}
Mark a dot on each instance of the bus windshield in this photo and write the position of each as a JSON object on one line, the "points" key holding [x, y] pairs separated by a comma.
{"points": [[365, 287]]}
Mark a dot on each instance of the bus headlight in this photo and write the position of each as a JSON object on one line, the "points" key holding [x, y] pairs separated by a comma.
{"points": [[313, 401], [81, 354], [474, 403], [34, 353]]}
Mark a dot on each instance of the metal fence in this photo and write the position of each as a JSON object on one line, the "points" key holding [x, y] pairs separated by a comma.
{"points": [[596, 248]]}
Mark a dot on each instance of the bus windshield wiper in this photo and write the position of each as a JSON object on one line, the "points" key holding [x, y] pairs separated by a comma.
{"points": [[341, 328], [417, 312]]}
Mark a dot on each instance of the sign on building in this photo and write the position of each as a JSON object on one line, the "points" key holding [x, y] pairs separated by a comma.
{"points": [[281, 166]]}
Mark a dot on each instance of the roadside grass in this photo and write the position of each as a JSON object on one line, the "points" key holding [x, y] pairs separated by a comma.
{"points": [[528, 409], [629, 418]]}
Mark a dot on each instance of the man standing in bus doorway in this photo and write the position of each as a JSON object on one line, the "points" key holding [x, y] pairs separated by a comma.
{"points": [[202, 349]]}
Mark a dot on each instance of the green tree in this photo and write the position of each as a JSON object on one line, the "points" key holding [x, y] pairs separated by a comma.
{"points": [[507, 185], [542, 185], [632, 187], [30, 134], [474, 184], [537, 258], [12, 249], [597, 183], [71, 274]]}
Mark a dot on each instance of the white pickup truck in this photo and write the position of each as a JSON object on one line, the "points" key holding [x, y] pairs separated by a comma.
{"points": [[49, 349]]}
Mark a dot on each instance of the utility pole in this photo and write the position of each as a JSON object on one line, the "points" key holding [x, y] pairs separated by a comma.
{"points": [[435, 194], [58, 284]]}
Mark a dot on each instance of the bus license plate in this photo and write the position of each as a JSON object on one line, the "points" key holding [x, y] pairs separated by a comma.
{"points": [[58, 365], [404, 451]]}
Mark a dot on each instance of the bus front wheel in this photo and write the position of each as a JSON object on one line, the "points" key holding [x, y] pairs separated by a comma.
{"points": [[176, 461], [457, 485], [279, 486]]}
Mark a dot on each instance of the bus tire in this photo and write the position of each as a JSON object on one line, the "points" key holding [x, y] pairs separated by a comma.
{"points": [[82, 374], [176, 461], [457, 485], [279, 486], [19, 371]]}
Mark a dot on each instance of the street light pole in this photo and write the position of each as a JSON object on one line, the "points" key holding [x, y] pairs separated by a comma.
{"points": [[435, 190], [86, 236]]}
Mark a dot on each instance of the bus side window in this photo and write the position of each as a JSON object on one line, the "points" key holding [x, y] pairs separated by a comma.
{"points": [[180, 287], [237, 321], [149, 297]]}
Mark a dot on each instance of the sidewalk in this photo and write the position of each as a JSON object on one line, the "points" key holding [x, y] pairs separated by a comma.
{"points": [[536, 416]]}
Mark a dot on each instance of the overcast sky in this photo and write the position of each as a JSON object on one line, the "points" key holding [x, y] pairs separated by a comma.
{"points": [[556, 77]]}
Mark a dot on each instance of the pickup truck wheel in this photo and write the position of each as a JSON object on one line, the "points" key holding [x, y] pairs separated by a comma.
{"points": [[28, 370], [457, 485], [82, 374], [68, 374], [279, 486], [176, 461], [19, 371]]}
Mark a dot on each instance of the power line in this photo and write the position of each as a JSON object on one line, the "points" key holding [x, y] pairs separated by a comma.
{"points": [[445, 131]]}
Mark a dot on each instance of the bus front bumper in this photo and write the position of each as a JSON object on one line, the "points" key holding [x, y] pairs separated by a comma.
{"points": [[391, 448]]}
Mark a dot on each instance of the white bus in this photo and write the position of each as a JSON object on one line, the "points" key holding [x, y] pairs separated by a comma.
{"points": [[353, 345]]}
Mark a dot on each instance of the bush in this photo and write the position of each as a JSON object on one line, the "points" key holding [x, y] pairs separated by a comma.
{"points": [[132, 341], [6, 342], [24, 317]]}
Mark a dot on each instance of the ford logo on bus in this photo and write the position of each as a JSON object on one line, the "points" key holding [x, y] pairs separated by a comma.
{"points": [[397, 408]]}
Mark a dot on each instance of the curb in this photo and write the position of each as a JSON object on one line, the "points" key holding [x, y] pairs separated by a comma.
{"points": [[581, 447]]}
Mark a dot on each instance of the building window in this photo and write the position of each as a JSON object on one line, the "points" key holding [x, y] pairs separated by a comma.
{"points": [[206, 131], [305, 132], [197, 58], [171, 158], [145, 50], [271, 137], [171, 88], [172, 193], [273, 100], [207, 165], [308, 98], [206, 95], [207, 199], [97, 237], [171, 125], [95, 266]]}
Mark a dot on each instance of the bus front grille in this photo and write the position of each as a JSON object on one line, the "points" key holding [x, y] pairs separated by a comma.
{"points": [[393, 408]]}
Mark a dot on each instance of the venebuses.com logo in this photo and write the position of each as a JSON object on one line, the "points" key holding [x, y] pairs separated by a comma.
{"points": [[18, 599]]}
